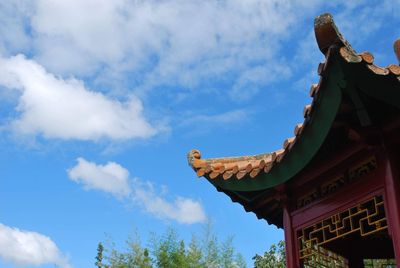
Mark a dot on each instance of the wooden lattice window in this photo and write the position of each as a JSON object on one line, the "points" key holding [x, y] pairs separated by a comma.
{"points": [[364, 219]]}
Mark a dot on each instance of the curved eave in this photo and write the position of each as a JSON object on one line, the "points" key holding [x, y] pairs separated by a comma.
{"points": [[306, 146], [343, 72], [345, 66]]}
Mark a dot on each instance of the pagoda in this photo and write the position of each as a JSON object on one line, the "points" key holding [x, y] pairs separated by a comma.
{"points": [[334, 187]]}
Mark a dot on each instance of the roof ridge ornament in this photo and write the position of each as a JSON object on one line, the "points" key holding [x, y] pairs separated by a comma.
{"points": [[192, 155], [328, 35]]}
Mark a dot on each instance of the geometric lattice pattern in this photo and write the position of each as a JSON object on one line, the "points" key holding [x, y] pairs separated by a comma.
{"points": [[365, 219], [380, 263], [321, 257]]}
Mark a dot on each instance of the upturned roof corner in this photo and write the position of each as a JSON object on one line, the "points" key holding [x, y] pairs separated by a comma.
{"points": [[262, 171]]}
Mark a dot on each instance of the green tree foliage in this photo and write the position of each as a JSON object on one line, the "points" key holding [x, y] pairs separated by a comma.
{"points": [[194, 254], [137, 256], [169, 251], [99, 256], [273, 258]]}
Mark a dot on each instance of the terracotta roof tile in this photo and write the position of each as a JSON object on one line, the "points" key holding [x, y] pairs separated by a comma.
{"points": [[367, 57], [349, 56], [268, 167], [262, 164], [244, 166], [396, 47], [288, 143], [254, 172], [307, 110], [313, 90], [276, 154], [227, 174], [321, 68], [394, 69], [200, 172], [378, 70], [237, 167], [240, 175], [232, 167], [328, 37], [298, 129], [279, 158], [214, 174]]}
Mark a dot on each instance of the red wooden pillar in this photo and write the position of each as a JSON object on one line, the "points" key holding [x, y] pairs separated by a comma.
{"points": [[290, 242], [392, 189]]}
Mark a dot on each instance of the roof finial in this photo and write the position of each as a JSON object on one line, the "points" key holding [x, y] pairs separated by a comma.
{"points": [[396, 47], [327, 34], [192, 155]]}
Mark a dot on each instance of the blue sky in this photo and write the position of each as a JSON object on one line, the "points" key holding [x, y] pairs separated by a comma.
{"points": [[102, 100]]}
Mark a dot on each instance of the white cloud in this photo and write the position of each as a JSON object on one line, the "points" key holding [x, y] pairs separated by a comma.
{"points": [[229, 117], [253, 79], [113, 178], [172, 42], [365, 20], [176, 43], [177, 31], [183, 210], [65, 109], [13, 20], [29, 248]]}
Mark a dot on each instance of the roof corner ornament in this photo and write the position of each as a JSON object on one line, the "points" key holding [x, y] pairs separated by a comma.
{"points": [[197, 164], [328, 35], [192, 156], [396, 47]]}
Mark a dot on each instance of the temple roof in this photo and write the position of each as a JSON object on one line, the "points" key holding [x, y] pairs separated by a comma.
{"points": [[257, 167]]}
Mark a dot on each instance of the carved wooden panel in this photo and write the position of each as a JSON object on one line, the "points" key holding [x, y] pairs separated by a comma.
{"points": [[338, 182]]}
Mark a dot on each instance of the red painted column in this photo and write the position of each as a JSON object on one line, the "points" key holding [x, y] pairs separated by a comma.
{"points": [[392, 189], [290, 242]]}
